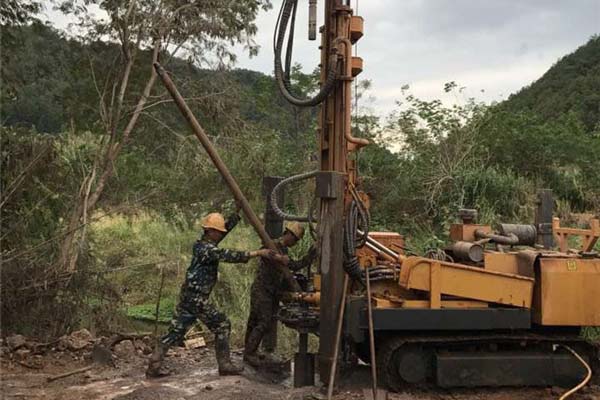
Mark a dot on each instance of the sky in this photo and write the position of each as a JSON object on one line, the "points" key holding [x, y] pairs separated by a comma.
{"points": [[492, 48]]}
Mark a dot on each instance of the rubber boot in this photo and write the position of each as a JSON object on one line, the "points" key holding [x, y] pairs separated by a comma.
{"points": [[251, 348], [226, 366], [156, 361], [271, 358]]}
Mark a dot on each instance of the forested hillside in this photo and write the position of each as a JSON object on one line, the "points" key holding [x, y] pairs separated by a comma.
{"points": [[54, 119], [572, 85]]}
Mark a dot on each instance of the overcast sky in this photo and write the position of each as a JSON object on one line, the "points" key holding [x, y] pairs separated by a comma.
{"points": [[491, 47], [497, 46]]}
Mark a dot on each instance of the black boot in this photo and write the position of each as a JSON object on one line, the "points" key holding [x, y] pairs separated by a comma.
{"points": [[251, 348], [226, 366], [156, 360]]}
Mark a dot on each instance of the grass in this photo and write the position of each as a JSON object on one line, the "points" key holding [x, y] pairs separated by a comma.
{"points": [[138, 247]]}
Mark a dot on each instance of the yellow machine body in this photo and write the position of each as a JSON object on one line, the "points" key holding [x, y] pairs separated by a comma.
{"points": [[567, 292], [465, 282]]}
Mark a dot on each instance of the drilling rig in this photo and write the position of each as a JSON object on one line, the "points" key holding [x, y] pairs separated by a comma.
{"points": [[493, 308], [496, 307]]}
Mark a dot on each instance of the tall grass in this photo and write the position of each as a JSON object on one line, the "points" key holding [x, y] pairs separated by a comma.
{"points": [[133, 250]]}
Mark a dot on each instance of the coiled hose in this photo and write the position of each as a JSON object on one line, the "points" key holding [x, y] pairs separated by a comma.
{"points": [[275, 193], [357, 218], [287, 14]]}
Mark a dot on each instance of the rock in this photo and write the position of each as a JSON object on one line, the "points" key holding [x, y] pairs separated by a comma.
{"points": [[16, 341], [22, 353], [208, 387], [125, 349], [76, 341], [142, 347], [83, 335]]}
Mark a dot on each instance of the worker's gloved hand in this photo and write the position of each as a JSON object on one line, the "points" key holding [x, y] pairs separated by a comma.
{"points": [[264, 253]]}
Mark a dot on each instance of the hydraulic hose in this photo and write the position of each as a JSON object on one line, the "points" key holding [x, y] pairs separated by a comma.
{"points": [[282, 73], [357, 218], [585, 380], [274, 194]]}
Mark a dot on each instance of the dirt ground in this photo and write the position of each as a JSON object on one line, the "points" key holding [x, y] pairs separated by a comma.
{"points": [[194, 376]]}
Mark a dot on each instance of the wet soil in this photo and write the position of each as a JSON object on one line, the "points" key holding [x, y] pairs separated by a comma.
{"points": [[194, 376]]}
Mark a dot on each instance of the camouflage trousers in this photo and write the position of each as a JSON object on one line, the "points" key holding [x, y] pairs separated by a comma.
{"points": [[195, 306], [262, 322]]}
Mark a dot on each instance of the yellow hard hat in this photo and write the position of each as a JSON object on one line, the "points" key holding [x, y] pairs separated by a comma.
{"points": [[296, 229], [214, 221]]}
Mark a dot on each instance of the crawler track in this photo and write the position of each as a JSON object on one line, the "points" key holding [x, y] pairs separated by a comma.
{"points": [[391, 346]]}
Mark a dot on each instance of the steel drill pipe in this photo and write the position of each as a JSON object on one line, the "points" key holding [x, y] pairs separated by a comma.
{"points": [[223, 170], [216, 159]]}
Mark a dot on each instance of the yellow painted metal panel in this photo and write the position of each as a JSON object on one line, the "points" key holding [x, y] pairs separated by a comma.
{"points": [[568, 293], [446, 304], [469, 282], [501, 262]]}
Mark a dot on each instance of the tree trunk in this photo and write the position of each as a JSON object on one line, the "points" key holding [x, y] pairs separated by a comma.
{"points": [[88, 198]]}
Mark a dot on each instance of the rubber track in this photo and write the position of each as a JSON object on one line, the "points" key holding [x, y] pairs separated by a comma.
{"points": [[389, 377]]}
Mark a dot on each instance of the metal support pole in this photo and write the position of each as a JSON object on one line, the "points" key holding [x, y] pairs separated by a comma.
{"points": [[337, 340], [222, 168], [543, 218], [216, 159], [371, 336], [304, 363], [334, 162]]}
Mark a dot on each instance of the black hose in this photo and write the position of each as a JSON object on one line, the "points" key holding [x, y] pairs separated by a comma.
{"points": [[274, 194], [357, 218], [282, 74]]}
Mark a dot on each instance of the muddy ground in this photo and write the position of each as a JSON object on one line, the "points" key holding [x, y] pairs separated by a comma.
{"points": [[194, 376]]}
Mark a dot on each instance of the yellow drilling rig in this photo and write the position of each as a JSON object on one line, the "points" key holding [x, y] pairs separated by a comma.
{"points": [[494, 308], [497, 307]]}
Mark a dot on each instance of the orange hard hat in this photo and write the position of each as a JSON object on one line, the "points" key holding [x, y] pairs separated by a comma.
{"points": [[296, 229], [214, 221]]}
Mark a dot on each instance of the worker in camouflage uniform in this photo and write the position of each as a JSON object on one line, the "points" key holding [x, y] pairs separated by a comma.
{"points": [[266, 293], [194, 304]]}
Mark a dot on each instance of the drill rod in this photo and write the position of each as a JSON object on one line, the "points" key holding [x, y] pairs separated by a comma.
{"points": [[371, 336], [216, 159], [338, 336]]}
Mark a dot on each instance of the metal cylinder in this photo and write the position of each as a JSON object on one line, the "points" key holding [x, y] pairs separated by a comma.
{"points": [[467, 251], [312, 20], [527, 234]]}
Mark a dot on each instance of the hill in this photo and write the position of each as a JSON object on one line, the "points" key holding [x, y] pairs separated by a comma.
{"points": [[572, 85]]}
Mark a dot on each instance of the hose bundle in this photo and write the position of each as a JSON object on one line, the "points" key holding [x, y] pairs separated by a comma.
{"points": [[287, 18], [357, 219], [275, 193]]}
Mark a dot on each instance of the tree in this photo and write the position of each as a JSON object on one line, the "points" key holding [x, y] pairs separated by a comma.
{"points": [[162, 29], [18, 12]]}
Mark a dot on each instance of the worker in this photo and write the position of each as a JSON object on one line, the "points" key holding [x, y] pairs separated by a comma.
{"points": [[194, 304], [266, 293]]}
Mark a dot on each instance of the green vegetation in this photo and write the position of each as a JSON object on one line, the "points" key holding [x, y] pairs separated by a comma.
{"points": [[427, 161]]}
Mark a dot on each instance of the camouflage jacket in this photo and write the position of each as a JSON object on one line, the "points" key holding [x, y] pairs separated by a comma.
{"points": [[269, 276], [202, 273]]}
